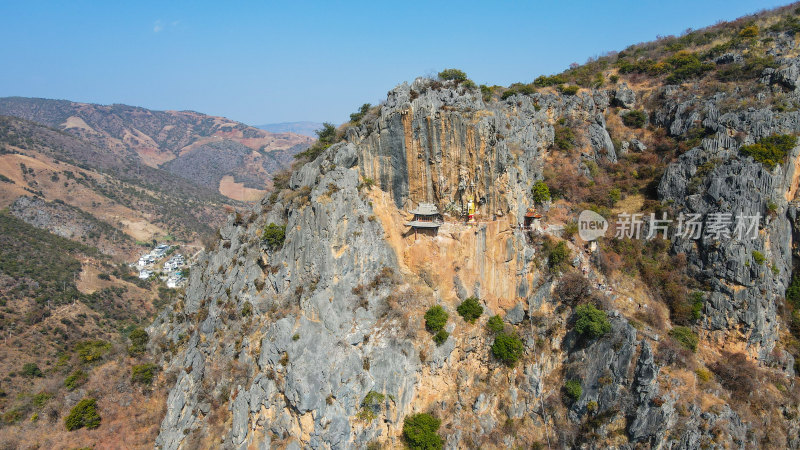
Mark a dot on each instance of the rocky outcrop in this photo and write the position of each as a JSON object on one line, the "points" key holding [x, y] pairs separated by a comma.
{"points": [[307, 330], [624, 96], [712, 179]]}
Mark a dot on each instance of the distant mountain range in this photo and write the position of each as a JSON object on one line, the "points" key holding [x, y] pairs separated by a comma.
{"points": [[145, 173], [304, 128], [212, 152]]}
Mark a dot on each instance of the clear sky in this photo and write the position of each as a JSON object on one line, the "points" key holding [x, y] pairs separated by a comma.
{"points": [[262, 62]]}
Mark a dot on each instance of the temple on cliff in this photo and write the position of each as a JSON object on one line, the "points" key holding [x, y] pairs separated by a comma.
{"points": [[426, 219]]}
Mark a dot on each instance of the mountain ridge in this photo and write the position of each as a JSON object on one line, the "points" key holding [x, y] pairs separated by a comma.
{"points": [[354, 325], [158, 138]]}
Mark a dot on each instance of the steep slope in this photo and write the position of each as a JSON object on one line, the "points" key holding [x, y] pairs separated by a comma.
{"points": [[317, 337], [36, 160], [65, 337], [139, 137]]}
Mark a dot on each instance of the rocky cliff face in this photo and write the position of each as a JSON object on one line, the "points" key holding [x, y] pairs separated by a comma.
{"points": [[321, 342]]}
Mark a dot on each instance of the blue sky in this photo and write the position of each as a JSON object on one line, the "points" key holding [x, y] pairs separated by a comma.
{"points": [[261, 62]]}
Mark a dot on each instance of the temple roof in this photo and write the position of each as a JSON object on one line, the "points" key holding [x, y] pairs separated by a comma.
{"points": [[425, 209]]}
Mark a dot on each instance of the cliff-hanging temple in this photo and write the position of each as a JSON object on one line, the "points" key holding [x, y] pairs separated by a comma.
{"points": [[426, 217]]}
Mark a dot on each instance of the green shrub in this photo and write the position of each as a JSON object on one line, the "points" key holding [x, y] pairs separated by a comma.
{"points": [[419, 432], [247, 309], [686, 65], [435, 318], [40, 399], [91, 351], [696, 300], [31, 370], [495, 324], [143, 374], [544, 80], [591, 322], [470, 309], [749, 32], [274, 236], [507, 348], [440, 337], [751, 68], [453, 75], [573, 389], [558, 255], [614, 78], [373, 399], [139, 339], [326, 136], [758, 257], [770, 151], [357, 116], [793, 292], [685, 336], [568, 89], [84, 414], [518, 88], [76, 379], [634, 119], [486, 93], [703, 375], [614, 195], [564, 138], [540, 191]]}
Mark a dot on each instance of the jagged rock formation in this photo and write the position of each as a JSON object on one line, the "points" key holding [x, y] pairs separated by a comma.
{"points": [[282, 345]]}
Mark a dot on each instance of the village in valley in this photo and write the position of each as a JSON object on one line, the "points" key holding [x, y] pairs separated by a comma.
{"points": [[171, 271]]}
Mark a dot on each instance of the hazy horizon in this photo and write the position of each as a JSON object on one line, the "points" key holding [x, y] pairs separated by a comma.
{"points": [[262, 64]]}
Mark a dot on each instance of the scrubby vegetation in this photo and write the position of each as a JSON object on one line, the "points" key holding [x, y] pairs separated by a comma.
{"points": [[540, 191], [143, 374], [139, 339], [573, 288], [435, 319], [634, 118], [440, 337], [573, 390], [273, 236], [558, 255], [31, 370], [685, 336], [518, 88], [771, 150], [326, 136], [419, 432], [591, 322], [453, 75], [91, 351], [663, 273], [83, 415], [507, 348], [356, 117], [75, 379], [568, 89], [470, 309], [495, 324], [564, 138]]}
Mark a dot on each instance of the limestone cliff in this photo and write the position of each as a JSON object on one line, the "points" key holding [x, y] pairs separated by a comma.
{"points": [[320, 341]]}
